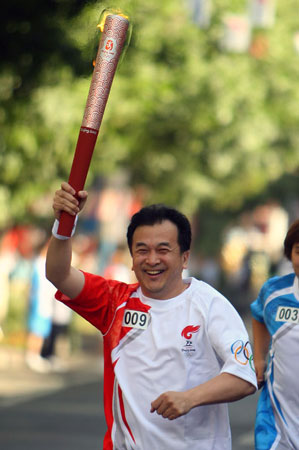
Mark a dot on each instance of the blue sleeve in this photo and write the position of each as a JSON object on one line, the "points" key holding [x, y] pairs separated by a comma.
{"points": [[257, 307]]}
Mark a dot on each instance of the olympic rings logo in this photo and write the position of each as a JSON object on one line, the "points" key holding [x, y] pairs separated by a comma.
{"points": [[242, 353]]}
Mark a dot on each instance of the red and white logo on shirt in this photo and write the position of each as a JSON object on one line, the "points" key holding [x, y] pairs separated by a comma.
{"points": [[189, 349]]}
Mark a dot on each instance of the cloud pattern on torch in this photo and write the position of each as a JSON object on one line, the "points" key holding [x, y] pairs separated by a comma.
{"points": [[110, 48]]}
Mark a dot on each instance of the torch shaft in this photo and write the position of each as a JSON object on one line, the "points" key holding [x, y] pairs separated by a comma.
{"points": [[109, 51]]}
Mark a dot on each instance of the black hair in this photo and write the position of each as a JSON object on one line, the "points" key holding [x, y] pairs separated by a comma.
{"points": [[291, 238], [150, 215]]}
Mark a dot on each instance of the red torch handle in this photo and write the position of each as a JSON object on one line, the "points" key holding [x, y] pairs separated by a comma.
{"points": [[109, 51], [81, 162]]}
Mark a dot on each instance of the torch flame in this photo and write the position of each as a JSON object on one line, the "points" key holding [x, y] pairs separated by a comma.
{"points": [[109, 12]]}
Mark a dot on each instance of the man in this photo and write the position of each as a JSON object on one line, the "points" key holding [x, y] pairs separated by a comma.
{"points": [[175, 350], [276, 335]]}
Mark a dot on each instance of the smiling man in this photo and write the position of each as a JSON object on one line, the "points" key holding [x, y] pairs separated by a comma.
{"points": [[158, 261], [175, 350]]}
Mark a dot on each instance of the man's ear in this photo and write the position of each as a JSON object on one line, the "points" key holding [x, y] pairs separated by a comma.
{"points": [[186, 256]]}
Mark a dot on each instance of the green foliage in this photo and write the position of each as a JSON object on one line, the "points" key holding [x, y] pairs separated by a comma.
{"points": [[192, 124], [204, 125]]}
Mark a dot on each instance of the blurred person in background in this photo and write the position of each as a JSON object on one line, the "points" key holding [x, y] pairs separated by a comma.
{"points": [[251, 252], [175, 350], [118, 269], [40, 306], [60, 321], [276, 337], [16, 252], [7, 263]]}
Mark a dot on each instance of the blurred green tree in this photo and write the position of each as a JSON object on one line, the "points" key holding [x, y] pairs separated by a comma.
{"points": [[190, 122]]}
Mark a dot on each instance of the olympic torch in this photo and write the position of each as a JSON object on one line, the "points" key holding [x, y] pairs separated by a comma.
{"points": [[110, 48]]}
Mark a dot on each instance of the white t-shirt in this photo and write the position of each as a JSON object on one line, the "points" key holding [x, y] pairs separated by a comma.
{"points": [[169, 345]]}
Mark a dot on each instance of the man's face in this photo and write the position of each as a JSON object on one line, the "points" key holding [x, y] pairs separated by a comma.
{"points": [[295, 258], [157, 260]]}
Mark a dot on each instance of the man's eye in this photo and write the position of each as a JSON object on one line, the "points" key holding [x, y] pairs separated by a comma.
{"points": [[163, 251]]}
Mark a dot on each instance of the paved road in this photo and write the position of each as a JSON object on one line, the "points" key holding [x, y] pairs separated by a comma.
{"points": [[63, 411], [69, 419], [242, 417]]}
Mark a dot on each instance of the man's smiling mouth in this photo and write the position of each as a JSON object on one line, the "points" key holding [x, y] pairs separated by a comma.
{"points": [[154, 272]]}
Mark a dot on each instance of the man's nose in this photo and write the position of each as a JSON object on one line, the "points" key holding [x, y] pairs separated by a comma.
{"points": [[152, 258]]}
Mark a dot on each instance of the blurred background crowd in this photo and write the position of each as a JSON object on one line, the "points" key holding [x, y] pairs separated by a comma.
{"points": [[250, 250], [203, 116]]}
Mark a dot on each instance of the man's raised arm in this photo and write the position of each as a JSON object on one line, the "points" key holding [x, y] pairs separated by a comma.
{"points": [[59, 270]]}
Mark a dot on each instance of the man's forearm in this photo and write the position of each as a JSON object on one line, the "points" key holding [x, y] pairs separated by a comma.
{"points": [[224, 388], [261, 342], [59, 270], [59, 258]]}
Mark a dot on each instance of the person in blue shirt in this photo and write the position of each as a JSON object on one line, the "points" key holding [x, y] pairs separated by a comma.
{"points": [[276, 354]]}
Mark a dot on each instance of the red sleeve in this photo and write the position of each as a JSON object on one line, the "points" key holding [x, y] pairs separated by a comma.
{"points": [[98, 300]]}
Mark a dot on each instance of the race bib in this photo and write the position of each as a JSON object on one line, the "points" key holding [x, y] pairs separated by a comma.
{"points": [[287, 314], [135, 319]]}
